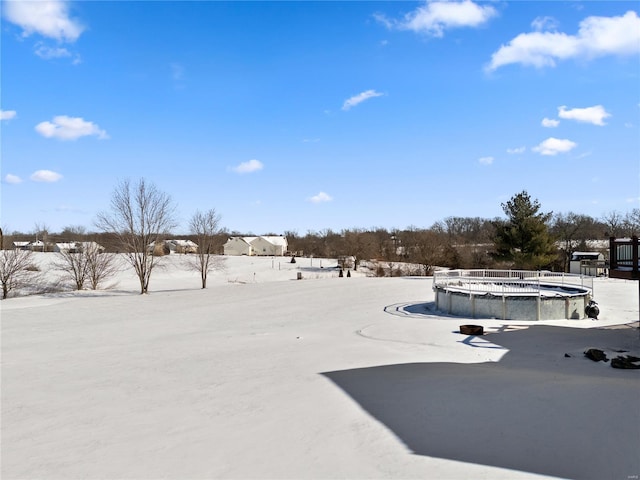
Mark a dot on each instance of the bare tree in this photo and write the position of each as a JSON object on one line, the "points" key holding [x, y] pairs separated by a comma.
{"points": [[73, 262], [571, 230], [358, 244], [41, 232], [85, 261], [205, 227], [426, 249], [140, 215], [632, 222], [14, 273], [73, 232], [100, 266], [614, 222]]}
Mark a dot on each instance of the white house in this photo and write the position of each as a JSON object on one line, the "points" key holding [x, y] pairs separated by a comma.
{"points": [[239, 246], [269, 245]]}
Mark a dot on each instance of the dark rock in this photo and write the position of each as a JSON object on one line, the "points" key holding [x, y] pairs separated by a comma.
{"points": [[596, 355], [626, 362], [566, 355]]}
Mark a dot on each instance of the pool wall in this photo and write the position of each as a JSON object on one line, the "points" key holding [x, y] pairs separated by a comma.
{"points": [[512, 307]]}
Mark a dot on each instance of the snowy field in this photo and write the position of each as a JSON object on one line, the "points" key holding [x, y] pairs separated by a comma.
{"points": [[264, 376]]}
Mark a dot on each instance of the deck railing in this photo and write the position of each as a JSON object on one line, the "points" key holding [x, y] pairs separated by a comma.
{"points": [[624, 254], [505, 282]]}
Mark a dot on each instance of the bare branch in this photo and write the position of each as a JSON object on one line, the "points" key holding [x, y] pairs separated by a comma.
{"points": [[14, 269], [205, 226], [140, 215]]}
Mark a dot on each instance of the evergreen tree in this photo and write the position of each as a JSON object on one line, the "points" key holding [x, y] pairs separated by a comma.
{"points": [[523, 238]]}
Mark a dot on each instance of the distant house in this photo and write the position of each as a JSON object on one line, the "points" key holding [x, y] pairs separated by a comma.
{"points": [[37, 246], [182, 246], [269, 245], [67, 247], [175, 246], [77, 247], [92, 245], [239, 246]]}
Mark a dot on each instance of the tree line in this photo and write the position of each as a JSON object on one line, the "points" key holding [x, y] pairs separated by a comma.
{"points": [[527, 237]]}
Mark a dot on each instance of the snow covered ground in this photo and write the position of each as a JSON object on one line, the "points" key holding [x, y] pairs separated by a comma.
{"points": [[262, 375]]}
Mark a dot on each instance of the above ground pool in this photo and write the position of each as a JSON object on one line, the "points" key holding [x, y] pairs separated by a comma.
{"points": [[512, 294]]}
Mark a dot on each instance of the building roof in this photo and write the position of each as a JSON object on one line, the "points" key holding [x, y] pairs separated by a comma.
{"points": [[66, 245], [183, 243], [278, 240], [246, 240]]}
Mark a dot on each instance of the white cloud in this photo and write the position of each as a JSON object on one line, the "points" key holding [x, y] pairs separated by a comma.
{"points": [[9, 178], [544, 23], [69, 128], [361, 97], [320, 198], [583, 155], [553, 146], [7, 114], [248, 167], [597, 36], [45, 176], [516, 151], [485, 160], [49, 18], [47, 52], [434, 17], [594, 115], [550, 122]]}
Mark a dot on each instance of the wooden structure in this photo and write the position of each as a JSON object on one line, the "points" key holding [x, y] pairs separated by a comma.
{"points": [[623, 261], [623, 258]]}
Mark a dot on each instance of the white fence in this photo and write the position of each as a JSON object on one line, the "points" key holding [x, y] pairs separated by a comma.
{"points": [[505, 282]]}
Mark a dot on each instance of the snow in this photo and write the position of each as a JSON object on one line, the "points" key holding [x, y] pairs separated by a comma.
{"points": [[262, 375]]}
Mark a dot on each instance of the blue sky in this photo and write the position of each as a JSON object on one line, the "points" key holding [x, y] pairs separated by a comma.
{"points": [[313, 115]]}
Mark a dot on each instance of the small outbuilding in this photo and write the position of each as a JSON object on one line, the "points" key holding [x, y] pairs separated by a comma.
{"points": [[587, 263]]}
